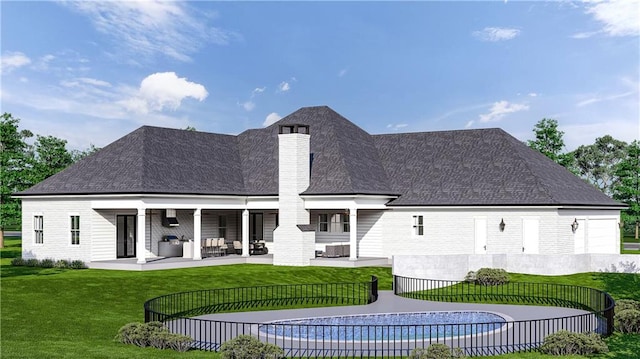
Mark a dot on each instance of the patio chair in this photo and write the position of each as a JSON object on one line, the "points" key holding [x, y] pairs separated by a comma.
{"points": [[237, 246], [222, 247], [208, 247]]}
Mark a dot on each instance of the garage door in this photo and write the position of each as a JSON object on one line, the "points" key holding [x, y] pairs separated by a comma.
{"points": [[602, 236]]}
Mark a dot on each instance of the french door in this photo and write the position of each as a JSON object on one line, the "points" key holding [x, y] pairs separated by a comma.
{"points": [[256, 229], [126, 236]]}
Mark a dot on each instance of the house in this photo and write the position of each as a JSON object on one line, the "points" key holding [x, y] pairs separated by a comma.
{"points": [[313, 182]]}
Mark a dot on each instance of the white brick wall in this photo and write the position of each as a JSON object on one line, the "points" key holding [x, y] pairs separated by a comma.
{"points": [[451, 231], [56, 229], [291, 245]]}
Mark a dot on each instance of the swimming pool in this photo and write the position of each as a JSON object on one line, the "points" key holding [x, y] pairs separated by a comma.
{"points": [[386, 326]]}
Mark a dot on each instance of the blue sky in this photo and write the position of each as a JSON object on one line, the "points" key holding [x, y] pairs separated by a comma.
{"points": [[91, 72]]}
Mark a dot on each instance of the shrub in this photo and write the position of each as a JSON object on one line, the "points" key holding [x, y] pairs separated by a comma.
{"points": [[32, 262], [248, 347], [132, 333], [567, 343], [47, 263], [61, 264], [627, 321], [491, 276], [470, 277], [624, 304], [153, 334], [140, 334], [436, 351], [17, 261], [77, 264], [178, 342], [163, 339]]}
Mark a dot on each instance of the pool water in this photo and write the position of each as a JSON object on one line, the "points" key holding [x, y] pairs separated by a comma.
{"points": [[386, 326]]}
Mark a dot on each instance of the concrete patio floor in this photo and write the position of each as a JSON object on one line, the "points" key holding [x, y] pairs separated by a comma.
{"points": [[161, 263]]}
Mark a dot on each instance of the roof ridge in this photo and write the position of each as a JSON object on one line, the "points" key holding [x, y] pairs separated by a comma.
{"points": [[143, 153], [340, 147], [517, 151]]}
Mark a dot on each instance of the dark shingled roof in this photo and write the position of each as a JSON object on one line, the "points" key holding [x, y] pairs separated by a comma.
{"points": [[478, 167], [470, 167], [154, 160]]}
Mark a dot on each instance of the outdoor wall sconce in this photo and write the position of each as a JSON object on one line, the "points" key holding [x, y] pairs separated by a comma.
{"points": [[574, 225], [502, 225]]}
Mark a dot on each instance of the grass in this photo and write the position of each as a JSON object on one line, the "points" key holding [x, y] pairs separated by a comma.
{"points": [[56, 313]]}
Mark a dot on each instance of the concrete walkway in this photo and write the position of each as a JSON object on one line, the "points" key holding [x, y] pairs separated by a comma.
{"points": [[389, 303]]}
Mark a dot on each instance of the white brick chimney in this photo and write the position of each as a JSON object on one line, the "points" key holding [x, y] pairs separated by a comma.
{"points": [[293, 245]]}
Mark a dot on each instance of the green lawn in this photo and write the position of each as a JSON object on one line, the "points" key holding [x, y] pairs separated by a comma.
{"points": [[628, 239], [53, 313]]}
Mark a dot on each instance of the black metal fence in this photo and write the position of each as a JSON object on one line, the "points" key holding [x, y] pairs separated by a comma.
{"points": [[524, 334], [177, 311]]}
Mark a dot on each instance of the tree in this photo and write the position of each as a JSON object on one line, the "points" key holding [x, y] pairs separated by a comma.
{"points": [[549, 141], [51, 157], [597, 163], [14, 164], [627, 189], [77, 155]]}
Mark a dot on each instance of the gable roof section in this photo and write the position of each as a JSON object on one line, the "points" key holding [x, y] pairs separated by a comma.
{"points": [[153, 160], [478, 167]]}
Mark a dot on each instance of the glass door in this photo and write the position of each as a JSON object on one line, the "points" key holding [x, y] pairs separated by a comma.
{"points": [[255, 227], [126, 236]]}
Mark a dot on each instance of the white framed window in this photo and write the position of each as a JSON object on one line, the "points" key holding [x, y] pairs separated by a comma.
{"points": [[336, 222], [418, 225], [222, 226], [323, 222], [345, 223], [38, 229], [75, 229], [333, 222]]}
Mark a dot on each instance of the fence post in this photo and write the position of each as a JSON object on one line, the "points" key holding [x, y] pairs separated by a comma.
{"points": [[610, 304], [394, 285], [373, 294]]}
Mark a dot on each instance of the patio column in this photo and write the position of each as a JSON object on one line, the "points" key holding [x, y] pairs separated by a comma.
{"points": [[353, 234], [245, 233], [197, 233], [141, 236]]}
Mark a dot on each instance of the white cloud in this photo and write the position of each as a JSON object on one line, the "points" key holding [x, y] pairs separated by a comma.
{"points": [[494, 34], [342, 72], [500, 109], [153, 27], [258, 90], [619, 18], [469, 124], [272, 118], [533, 94], [13, 60], [163, 90], [284, 87], [604, 98], [248, 105], [584, 35], [84, 81]]}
